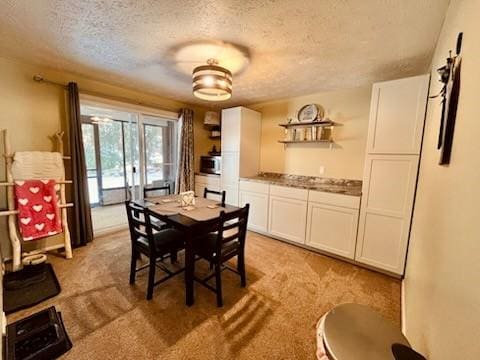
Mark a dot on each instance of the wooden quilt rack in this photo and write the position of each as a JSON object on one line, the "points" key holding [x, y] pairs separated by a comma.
{"points": [[11, 211]]}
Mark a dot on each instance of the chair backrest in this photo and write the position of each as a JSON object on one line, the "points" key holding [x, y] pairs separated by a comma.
{"points": [[165, 188], [222, 195], [139, 223], [236, 221]]}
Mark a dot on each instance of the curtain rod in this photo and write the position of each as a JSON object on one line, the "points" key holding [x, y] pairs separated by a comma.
{"points": [[40, 79]]}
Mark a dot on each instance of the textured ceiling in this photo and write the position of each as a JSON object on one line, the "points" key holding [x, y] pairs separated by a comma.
{"points": [[295, 47]]}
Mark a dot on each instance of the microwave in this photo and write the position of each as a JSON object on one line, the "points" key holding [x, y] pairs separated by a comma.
{"points": [[211, 164]]}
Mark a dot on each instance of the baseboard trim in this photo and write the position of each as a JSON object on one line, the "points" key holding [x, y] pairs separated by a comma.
{"points": [[326, 253]]}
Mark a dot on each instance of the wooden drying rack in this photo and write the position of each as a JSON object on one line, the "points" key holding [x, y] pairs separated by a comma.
{"points": [[11, 211]]}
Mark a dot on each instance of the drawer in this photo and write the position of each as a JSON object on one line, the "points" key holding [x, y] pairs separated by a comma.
{"points": [[201, 179], [348, 201], [289, 192], [256, 187], [213, 183], [208, 181]]}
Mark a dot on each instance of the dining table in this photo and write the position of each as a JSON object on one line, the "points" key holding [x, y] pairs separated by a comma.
{"points": [[194, 221]]}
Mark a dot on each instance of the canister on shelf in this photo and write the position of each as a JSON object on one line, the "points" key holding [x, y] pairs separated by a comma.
{"points": [[319, 132], [309, 134]]}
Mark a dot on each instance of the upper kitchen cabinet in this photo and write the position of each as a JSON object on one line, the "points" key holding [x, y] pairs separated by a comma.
{"points": [[231, 122], [397, 115], [241, 130]]}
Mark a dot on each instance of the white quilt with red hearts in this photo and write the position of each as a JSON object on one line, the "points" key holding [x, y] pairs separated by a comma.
{"points": [[37, 203]]}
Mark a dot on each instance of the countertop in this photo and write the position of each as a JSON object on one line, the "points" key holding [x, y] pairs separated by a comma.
{"points": [[337, 186]]}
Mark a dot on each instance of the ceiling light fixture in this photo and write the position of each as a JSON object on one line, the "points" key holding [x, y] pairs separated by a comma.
{"points": [[212, 82]]}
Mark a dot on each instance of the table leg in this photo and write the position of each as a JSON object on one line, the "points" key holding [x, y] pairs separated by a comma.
{"points": [[189, 269]]}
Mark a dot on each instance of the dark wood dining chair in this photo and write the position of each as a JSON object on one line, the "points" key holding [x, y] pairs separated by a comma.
{"points": [[222, 195], [157, 224], [224, 244], [156, 246], [149, 189]]}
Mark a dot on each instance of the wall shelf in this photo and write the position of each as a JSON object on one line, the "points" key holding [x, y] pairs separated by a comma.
{"points": [[304, 141], [311, 123], [312, 132], [322, 141]]}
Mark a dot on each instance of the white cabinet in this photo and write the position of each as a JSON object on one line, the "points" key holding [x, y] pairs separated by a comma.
{"points": [[386, 210], [230, 168], [257, 195], [231, 122], [395, 133], [230, 176], [287, 213], [332, 223], [241, 130], [397, 115], [332, 229], [211, 182]]}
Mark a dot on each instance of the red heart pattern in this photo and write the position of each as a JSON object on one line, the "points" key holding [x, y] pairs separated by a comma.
{"points": [[37, 203]]}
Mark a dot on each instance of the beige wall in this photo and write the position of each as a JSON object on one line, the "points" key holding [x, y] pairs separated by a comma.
{"points": [[442, 283], [350, 108], [32, 112]]}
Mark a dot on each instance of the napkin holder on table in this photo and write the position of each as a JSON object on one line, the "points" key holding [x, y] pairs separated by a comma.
{"points": [[187, 198]]}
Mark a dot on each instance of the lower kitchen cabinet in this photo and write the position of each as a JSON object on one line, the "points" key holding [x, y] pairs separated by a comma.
{"points": [[231, 194], [258, 213], [211, 182], [256, 194], [332, 229], [386, 211], [287, 218]]}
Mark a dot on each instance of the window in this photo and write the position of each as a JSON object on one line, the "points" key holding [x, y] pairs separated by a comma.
{"points": [[159, 151], [114, 154]]}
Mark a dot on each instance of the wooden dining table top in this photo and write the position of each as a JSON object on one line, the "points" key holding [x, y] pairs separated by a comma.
{"points": [[169, 209]]}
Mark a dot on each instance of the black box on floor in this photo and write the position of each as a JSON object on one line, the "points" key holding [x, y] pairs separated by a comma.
{"points": [[40, 336]]}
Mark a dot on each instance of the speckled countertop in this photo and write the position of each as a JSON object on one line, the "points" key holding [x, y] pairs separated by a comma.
{"points": [[337, 186]]}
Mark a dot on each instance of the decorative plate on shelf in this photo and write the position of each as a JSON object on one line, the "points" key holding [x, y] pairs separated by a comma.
{"points": [[310, 112]]}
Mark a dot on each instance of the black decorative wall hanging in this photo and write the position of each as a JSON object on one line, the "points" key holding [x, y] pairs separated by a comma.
{"points": [[450, 77]]}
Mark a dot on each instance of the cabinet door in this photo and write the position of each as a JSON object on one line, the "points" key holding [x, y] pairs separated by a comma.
{"points": [[397, 115], [231, 122], [231, 194], [258, 214], [230, 172], [199, 187], [287, 218], [230, 177], [386, 210], [332, 229], [213, 184]]}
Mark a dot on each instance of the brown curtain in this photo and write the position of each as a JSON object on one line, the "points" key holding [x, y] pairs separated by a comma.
{"points": [[185, 172], [81, 225]]}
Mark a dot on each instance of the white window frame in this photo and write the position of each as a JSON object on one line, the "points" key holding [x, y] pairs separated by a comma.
{"points": [[141, 111]]}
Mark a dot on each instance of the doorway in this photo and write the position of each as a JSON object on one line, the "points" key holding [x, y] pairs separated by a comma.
{"points": [[125, 150]]}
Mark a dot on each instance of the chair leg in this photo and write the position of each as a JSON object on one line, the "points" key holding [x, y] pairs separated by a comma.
{"points": [[133, 266], [241, 269], [173, 256], [218, 284], [151, 278]]}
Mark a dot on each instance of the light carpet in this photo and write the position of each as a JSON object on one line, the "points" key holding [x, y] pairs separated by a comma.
{"points": [[288, 290]]}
